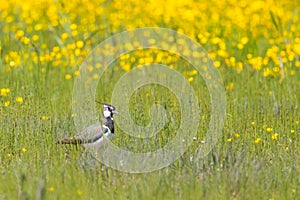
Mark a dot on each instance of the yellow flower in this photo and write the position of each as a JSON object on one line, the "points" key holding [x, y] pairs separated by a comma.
{"points": [[293, 72], [68, 76], [257, 140], [230, 86], [4, 91], [244, 40], [19, 34], [35, 38], [38, 27], [217, 63], [78, 192], [190, 79], [73, 26], [24, 149], [74, 33], [237, 135], [252, 123], [286, 148], [51, 189], [19, 99], [215, 40], [9, 19], [64, 35], [256, 62], [45, 117], [239, 66], [240, 46], [269, 129], [292, 131], [76, 73], [95, 76], [12, 63], [274, 136], [229, 140], [126, 67], [9, 155], [6, 103], [151, 41], [56, 49], [79, 44], [297, 48], [98, 65], [77, 52], [194, 72], [25, 40]]}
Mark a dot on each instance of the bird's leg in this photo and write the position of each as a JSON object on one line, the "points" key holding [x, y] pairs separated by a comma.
{"points": [[66, 155]]}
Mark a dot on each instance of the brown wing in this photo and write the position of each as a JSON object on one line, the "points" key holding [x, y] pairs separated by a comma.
{"points": [[88, 135], [72, 140]]}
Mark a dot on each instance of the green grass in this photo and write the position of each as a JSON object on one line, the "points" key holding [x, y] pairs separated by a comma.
{"points": [[240, 169], [249, 161]]}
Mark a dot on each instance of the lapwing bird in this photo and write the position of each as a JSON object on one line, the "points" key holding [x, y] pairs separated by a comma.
{"points": [[93, 135]]}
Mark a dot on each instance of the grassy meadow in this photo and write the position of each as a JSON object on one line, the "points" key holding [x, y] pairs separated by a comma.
{"points": [[255, 45]]}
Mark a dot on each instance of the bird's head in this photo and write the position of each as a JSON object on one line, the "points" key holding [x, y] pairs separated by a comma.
{"points": [[109, 110]]}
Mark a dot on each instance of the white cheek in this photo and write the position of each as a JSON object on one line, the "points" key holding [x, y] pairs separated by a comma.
{"points": [[106, 113]]}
